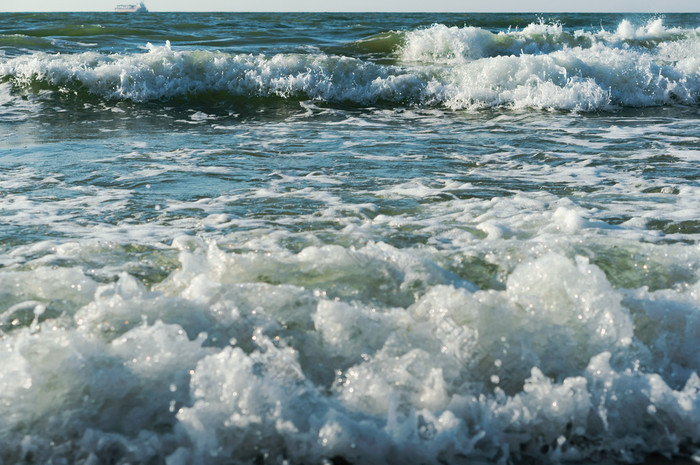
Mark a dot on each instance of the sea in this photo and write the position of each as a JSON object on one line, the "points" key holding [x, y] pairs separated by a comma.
{"points": [[334, 239]]}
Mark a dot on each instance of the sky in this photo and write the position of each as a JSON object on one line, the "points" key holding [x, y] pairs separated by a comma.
{"points": [[537, 6]]}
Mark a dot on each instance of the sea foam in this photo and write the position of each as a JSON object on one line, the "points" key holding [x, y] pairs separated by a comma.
{"points": [[556, 366]]}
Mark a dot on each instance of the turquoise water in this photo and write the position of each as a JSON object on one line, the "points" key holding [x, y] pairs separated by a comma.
{"points": [[363, 238]]}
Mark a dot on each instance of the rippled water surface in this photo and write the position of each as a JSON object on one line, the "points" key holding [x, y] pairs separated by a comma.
{"points": [[343, 238]]}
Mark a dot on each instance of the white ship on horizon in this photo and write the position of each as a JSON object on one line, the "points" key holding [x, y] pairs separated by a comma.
{"points": [[140, 7]]}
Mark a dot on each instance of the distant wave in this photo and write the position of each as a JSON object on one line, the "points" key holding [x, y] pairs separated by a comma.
{"points": [[539, 67], [440, 43]]}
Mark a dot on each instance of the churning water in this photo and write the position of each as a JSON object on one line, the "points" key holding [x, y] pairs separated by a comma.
{"points": [[374, 239]]}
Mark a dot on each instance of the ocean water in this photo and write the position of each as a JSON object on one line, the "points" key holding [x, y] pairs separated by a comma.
{"points": [[349, 238]]}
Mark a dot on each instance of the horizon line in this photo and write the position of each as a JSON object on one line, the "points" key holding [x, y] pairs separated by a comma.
{"points": [[364, 12]]}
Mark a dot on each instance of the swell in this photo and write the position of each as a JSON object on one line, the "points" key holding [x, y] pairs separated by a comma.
{"points": [[24, 41], [385, 43], [88, 30]]}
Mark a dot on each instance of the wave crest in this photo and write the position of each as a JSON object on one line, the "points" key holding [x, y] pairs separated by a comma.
{"points": [[163, 73]]}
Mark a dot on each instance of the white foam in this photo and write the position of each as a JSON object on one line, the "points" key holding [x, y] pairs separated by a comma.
{"points": [[653, 30], [448, 44]]}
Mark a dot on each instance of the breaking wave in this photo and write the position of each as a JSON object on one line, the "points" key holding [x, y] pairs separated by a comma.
{"points": [[541, 66]]}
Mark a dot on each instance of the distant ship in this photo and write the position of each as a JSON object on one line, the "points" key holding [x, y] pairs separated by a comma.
{"points": [[137, 8]]}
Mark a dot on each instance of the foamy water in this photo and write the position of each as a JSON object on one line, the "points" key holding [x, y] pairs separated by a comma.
{"points": [[392, 239]]}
